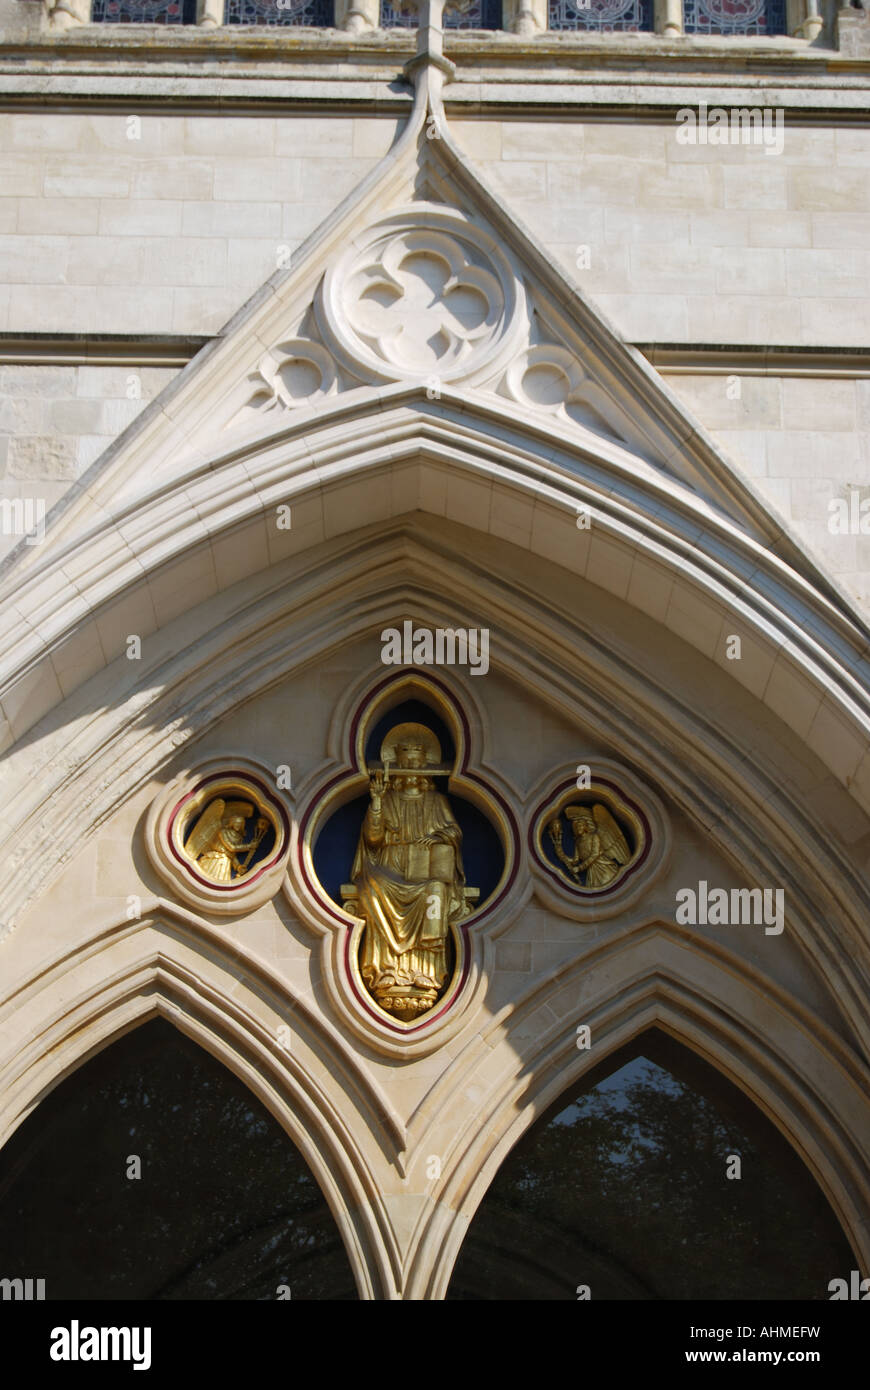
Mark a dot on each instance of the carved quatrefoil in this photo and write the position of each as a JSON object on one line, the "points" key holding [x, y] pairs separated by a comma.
{"points": [[424, 293]]}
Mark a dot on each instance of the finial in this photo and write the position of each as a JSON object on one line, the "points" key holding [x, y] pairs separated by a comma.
{"points": [[429, 62]]}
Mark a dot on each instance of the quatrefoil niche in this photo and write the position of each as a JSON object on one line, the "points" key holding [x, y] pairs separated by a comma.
{"points": [[427, 294]]}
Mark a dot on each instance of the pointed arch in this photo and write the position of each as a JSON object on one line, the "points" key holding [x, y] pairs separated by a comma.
{"points": [[784, 1058], [153, 1172], [172, 965]]}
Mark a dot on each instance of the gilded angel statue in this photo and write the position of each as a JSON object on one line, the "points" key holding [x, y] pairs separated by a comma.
{"points": [[217, 845], [600, 848]]}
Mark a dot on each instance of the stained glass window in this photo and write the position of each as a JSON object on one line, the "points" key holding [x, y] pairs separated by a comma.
{"points": [[605, 16], [751, 17], [458, 14], [314, 13], [143, 12]]}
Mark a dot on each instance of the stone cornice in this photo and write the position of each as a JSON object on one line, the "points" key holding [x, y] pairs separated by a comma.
{"points": [[257, 69], [176, 350]]}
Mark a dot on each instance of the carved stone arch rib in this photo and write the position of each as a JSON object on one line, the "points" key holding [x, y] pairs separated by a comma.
{"points": [[162, 966], [797, 1073]]}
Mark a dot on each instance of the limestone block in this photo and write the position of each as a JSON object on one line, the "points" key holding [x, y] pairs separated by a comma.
{"points": [[827, 190], [20, 176], [547, 140], [853, 33], [649, 318], [34, 260], [754, 270], [207, 219], [818, 405], [716, 402], [678, 186], [481, 140], [517, 179], [37, 382], [746, 446], [841, 321], [253, 260], [135, 132], [759, 185], [179, 176], [301, 136], [203, 310], [373, 137], [193, 261], [650, 588], [822, 453], [839, 229], [34, 457], [81, 176], [298, 220], [69, 216], [646, 227], [261, 180], [107, 260], [571, 221], [820, 274], [594, 180], [333, 177], [743, 318], [780, 229], [230, 136], [140, 217], [659, 268], [719, 229], [852, 146], [88, 449], [76, 417]]}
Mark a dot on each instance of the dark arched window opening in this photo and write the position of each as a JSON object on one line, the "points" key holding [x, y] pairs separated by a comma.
{"points": [[623, 1187], [225, 1207]]}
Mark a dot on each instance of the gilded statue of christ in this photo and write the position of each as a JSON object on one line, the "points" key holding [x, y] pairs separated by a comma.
{"points": [[409, 877]]}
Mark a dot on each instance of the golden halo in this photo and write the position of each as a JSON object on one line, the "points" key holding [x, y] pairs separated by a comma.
{"points": [[431, 746]]}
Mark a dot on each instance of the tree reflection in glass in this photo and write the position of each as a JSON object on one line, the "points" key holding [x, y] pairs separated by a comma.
{"points": [[226, 1207], [623, 1187]]}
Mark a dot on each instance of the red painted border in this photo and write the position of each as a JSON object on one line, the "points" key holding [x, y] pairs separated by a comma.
{"points": [[545, 864], [377, 1014], [268, 864]]}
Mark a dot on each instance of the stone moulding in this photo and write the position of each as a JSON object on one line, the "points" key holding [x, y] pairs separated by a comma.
{"points": [[628, 799], [176, 808], [477, 320], [339, 929]]}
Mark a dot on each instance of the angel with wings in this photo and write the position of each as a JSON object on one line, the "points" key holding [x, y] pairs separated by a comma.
{"points": [[600, 848], [216, 843]]}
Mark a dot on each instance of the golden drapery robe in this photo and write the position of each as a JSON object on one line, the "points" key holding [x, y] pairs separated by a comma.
{"points": [[218, 861], [408, 892]]}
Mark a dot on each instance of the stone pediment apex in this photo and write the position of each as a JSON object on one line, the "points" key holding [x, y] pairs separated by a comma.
{"points": [[420, 332], [421, 277]]}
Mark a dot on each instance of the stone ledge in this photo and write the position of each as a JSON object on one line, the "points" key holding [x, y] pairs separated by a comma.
{"points": [[175, 350]]}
